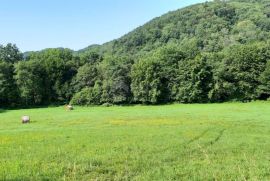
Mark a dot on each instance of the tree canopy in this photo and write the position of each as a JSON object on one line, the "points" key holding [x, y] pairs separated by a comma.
{"points": [[210, 52]]}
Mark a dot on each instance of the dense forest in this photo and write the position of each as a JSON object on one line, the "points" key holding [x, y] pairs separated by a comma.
{"points": [[211, 52]]}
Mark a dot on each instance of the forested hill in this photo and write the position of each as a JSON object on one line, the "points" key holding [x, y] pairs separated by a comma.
{"points": [[208, 27], [210, 52]]}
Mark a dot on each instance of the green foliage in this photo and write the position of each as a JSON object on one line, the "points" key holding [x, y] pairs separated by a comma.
{"points": [[8, 88], [116, 80], [10, 53], [91, 57], [86, 77], [60, 69], [239, 73], [88, 96], [154, 77], [146, 81], [30, 78], [214, 25], [264, 88], [195, 80], [210, 52]]}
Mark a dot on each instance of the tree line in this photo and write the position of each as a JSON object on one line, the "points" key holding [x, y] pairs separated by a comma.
{"points": [[168, 74], [211, 52]]}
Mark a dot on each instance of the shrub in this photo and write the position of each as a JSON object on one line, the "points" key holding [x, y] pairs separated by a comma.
{"points": [[87, 96]]}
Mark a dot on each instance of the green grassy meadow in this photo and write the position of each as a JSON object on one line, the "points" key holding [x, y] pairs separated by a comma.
{"points": [[228, 141]]}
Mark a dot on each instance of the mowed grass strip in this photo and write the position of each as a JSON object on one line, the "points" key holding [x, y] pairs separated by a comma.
{"points": [[175, 142]]}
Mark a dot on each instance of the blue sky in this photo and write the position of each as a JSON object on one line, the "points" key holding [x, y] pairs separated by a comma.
{"points": [[75, 24]]}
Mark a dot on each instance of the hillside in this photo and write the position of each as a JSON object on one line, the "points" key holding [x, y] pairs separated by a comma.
{"points": [[210, 52], [208, 27]]}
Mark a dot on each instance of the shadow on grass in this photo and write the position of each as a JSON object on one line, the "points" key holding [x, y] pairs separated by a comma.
{"points": [[2, 111], [6, 109]]}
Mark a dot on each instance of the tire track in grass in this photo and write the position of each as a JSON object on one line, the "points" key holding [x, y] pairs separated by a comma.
{"points": [[217, 138], [207, 144], [212, 142], [197, 137], [201, 148]]}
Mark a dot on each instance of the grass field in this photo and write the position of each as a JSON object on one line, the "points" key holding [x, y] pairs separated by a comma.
{"points": [[175, 142]]}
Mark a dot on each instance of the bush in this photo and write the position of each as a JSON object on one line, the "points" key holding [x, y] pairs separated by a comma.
{"points": [[87, 96], [107, 105]]}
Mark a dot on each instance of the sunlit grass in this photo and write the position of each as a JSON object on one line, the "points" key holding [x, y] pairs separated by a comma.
{"points": [[175, 142]]}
